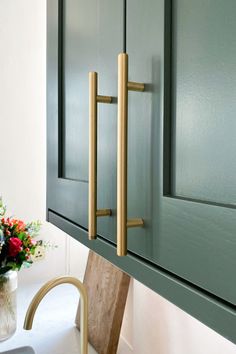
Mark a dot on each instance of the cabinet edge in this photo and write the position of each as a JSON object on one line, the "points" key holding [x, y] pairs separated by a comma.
{"points": [[211, 312]]}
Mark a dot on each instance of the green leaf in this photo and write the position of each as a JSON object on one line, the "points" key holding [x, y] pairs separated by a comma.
{"points": [[21, 236]]}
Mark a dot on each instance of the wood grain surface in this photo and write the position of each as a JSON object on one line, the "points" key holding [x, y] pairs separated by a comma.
{"points": [[107, 288]]}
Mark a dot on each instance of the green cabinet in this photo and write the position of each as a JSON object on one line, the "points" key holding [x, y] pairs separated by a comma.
{"points": [[181, 141], [78, 42]]}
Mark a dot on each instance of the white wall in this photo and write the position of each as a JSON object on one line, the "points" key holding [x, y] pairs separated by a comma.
{"points": [[151, 324], [23, 127]]}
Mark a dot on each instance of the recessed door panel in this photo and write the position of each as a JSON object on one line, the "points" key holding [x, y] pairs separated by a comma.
{"points": [[80, 44], [204, 104]]}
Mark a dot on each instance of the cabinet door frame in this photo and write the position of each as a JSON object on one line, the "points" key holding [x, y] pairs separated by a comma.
{"points": [[61, 192], [199, 241], [194, 239]]}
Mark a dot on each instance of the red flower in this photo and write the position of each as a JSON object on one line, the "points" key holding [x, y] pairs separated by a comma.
{"points": [[14, 246]]}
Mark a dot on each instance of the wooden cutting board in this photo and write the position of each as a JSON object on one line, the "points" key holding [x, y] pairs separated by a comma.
{"points": [[107, 288]]}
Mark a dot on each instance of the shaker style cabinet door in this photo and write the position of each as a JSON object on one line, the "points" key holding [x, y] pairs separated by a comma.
{"points": [[83, 36], [182, 129]]}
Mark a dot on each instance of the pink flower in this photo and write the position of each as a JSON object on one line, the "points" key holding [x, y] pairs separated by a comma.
{"points": [[14, 246], [20, 225]]}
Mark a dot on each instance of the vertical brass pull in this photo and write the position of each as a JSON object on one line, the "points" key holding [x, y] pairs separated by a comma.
{"points": [[94, 99], [123, 86]]}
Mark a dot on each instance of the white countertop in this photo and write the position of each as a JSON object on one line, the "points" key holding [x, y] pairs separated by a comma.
{"points": [[54, 330]]}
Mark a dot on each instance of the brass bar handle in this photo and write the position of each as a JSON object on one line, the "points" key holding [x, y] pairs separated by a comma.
{"points": [[94, 99], [122, 146]]}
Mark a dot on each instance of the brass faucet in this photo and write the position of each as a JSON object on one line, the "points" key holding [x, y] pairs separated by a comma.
{"points": [[83, 308]]}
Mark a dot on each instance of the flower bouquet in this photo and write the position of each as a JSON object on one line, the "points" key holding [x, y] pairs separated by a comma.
{"points": [[17, 243], [17, 247]]}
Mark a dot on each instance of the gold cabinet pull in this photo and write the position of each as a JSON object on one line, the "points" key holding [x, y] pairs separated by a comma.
{"points": [[122, 130], [94, 99]]}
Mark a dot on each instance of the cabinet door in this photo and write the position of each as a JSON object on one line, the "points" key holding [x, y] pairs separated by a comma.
{"points": [[182, 160], [83, 36]]}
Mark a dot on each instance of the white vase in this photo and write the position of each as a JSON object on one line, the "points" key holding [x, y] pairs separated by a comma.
{"points": [[8, 313]]}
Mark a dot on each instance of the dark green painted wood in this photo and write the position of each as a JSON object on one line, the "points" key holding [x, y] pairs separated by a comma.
{"points": [[90, 35], [204, 51], [208, 309], [145, 46], [184, 241], [68, 197], [81, 41], [198, 241], [110, 45], [195, 240]]}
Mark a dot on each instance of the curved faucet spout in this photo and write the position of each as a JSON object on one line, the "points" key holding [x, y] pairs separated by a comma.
{"points": [[83, 308]]}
